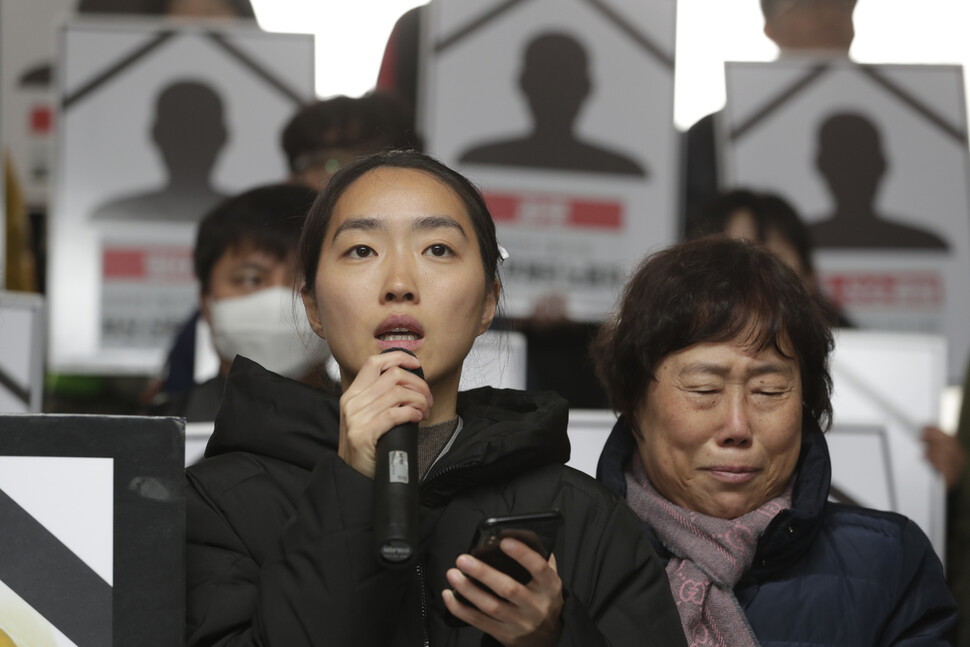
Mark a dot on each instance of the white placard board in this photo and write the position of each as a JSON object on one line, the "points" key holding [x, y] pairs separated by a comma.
{"points": [[588, 431], [23, 325], [562, 111], [875, 158], [497, 359], [886, 387], [92, 523], [159, 121], [196, 438]]}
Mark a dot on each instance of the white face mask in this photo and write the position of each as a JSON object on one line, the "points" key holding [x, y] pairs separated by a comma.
{"points": [[269, 327]]}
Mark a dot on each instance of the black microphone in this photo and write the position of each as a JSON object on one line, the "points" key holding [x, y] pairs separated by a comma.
{"points": [[396, 489]]}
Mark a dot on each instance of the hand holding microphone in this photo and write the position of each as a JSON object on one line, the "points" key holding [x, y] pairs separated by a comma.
{"points": [[372, 403], [396, 488]]}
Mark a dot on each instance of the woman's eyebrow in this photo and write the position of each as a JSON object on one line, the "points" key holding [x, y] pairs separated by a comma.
{"points": [[705, 368], [713, 368], [425, 223], [771, 369], [359, 224], [436, 222]]}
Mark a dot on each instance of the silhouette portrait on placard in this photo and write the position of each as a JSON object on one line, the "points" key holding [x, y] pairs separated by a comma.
{"points": [[189, 133], [555, 82], [852, 162]]}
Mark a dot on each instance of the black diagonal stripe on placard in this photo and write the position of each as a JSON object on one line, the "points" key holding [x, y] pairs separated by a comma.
{"points": [[117, 68], [476, 24], [255, 67], [52, 579], [15, 389], [914, 102], [783, 97], [641, 39]]}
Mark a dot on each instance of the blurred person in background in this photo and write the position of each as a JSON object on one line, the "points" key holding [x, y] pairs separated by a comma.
{"points": [[325, 135], [245, 261], [769, 219]]}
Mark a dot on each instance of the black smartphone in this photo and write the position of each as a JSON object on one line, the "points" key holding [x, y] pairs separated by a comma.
{"points": [[537, 530]]}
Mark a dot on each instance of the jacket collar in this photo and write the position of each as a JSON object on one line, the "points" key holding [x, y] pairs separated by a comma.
{"points": [[505, 431], [788, 535]]}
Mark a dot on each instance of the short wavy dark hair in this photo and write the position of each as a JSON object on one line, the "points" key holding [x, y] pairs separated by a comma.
{"points": [[714, 290]]}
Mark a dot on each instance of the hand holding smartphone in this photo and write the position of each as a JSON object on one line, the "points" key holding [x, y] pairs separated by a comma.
{"points": [[536, 530]]}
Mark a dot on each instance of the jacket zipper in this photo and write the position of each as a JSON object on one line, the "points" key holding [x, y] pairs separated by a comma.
{"points": [[419, 567], [424, 605], [451, 468]]}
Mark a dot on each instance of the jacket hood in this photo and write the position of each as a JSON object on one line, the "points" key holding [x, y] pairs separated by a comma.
{"points": [[271, 415], [505, 431], [789, 534]]}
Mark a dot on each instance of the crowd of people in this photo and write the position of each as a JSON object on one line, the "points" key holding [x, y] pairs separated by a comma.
{"points": [[343, 301]]}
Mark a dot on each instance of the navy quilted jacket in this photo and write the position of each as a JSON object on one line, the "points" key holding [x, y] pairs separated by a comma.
{"points": [[826, 573]]}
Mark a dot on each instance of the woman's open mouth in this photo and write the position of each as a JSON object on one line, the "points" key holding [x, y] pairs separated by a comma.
{"points": [[399, 335], [401, 331]]}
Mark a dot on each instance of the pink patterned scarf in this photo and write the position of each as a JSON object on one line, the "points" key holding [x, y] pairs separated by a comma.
{"points": [[709, 557]]}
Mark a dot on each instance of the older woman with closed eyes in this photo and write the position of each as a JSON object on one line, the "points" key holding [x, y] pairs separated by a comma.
{"points": [[717, 362]]}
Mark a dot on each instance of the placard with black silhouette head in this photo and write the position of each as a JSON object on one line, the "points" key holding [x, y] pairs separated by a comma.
{"points": [[160, 122], [188, 132], [875, 159], [92, 523], [563, 111]]}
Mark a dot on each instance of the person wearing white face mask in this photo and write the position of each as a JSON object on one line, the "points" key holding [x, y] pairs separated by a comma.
{"points": [[264, 325], [245, 261]]}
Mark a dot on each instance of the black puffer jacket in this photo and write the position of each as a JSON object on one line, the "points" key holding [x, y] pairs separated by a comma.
{"points": [[280, 542], [826, 573]]}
